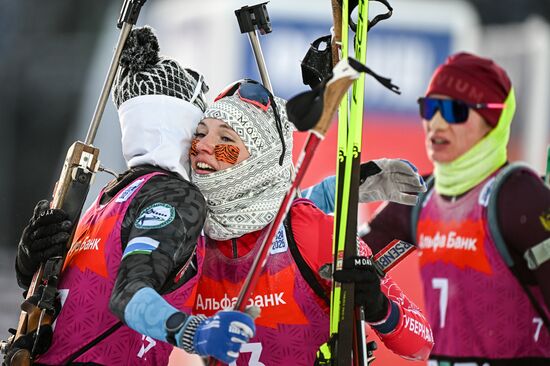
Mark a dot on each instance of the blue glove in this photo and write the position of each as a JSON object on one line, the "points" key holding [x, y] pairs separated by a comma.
{"points": [[220, 336]]}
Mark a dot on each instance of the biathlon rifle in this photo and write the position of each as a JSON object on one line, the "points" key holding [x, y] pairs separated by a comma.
{"points": [[33, 334]]}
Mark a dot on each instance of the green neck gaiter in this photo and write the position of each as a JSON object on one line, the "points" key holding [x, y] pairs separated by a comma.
{"points": [[468, 170]]}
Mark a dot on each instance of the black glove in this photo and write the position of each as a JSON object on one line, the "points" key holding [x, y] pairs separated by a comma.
{"points": [[361, 271], [44, 237], [40, 341]]}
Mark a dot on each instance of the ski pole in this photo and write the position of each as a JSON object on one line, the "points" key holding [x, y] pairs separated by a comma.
{"points": [[127, 19]]}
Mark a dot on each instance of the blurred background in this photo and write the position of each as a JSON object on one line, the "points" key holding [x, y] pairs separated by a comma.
{"points": [[54, 56]]}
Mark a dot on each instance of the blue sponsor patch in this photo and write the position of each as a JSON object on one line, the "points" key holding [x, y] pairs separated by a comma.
{"points": [[155, 216], [140, 245]]}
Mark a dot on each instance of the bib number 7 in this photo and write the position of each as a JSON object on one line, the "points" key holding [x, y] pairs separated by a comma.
{"points": [[255, 350]]}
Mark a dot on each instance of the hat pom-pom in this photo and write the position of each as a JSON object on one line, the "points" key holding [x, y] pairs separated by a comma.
{"points": [[140, 51]]}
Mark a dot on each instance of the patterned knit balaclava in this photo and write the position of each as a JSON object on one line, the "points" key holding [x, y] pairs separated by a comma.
{"points": [[159, 105], [246, 197]]}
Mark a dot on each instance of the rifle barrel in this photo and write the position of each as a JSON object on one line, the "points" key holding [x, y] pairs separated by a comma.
{"points": [[257, 49], [100, 107]]}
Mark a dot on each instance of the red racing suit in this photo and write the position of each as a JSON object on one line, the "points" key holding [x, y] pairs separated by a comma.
{"points": [[294, 320]]}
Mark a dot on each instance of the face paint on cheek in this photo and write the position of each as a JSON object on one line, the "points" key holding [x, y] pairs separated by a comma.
{"points": [[226, 153], [193, 149]]}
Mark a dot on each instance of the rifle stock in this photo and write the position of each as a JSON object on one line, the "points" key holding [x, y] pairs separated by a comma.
{"points": [[79, 168]]}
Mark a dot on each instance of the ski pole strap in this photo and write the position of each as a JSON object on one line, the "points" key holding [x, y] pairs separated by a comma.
{"points": [[317, 63], [386, 82], [382, 16], [354, 3]]}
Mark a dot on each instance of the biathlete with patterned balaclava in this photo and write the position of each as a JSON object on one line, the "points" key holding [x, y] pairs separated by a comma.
{"points": [[479, 309], [241, 158], [127, 286]]}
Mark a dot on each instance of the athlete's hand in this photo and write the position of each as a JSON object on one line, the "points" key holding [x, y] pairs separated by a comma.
{"points": [[220, 336], [361, 272], [44, 237], [395, 180]]}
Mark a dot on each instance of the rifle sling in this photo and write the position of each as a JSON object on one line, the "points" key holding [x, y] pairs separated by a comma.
{"points": [[92, 343]]}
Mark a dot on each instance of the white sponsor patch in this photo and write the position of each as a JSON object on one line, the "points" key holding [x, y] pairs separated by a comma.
{"points": [[155, 216], [485, 193], [127, 193], [280, 244]]}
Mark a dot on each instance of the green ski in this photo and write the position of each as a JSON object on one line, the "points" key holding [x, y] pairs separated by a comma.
{"points": [[347, 325], [349, 345]]}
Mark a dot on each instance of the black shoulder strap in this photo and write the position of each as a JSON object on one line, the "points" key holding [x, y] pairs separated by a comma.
{"points": [[492, 210], [306, 272], [415, 213], [492, 219], [92, 343]]}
